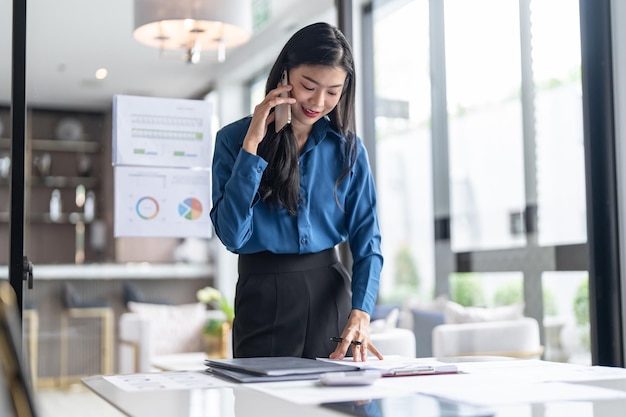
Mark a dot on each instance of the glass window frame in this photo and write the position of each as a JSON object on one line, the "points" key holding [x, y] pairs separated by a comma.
{"points": [[556, 257]]}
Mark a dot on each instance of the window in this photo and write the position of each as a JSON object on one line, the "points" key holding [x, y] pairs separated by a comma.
{"points": [[403, 149], [472, 114]]}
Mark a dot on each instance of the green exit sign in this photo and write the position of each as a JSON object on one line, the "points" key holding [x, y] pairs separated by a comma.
{"points": [[261, 12]]}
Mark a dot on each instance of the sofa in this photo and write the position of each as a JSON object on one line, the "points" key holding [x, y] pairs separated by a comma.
{"points": [[444, 328], [517, 338]]}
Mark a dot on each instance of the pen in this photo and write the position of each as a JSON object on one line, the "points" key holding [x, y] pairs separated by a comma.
{"points": [[340, 339], [412, 370]]}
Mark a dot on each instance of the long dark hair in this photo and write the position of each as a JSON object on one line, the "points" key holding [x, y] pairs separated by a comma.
{"points": [[316, 44]]}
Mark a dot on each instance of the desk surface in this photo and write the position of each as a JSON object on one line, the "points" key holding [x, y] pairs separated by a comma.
{"points": [[520, 388], [224, 401]]}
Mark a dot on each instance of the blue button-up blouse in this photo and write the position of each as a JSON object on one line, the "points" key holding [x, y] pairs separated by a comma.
{"points": [[245, 224]]}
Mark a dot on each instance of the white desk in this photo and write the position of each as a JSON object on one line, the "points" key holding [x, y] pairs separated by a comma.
{"points": [[520, 388], [235, 401]]}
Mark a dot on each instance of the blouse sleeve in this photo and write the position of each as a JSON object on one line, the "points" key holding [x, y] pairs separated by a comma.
{"points": [[236, 178], [364, 234]]}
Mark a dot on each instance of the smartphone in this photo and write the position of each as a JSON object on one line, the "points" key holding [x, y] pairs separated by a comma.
{"points": [[367, 377], [283, 111]]}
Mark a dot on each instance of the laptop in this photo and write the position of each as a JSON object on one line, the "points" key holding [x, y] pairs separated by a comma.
{"points": [[281, 368]]}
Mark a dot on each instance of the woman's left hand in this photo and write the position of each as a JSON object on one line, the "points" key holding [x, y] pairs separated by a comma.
{"points": [[356, 334]]}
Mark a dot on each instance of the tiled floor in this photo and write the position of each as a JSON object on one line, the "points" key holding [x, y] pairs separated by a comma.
{"points": [[76, 401]]}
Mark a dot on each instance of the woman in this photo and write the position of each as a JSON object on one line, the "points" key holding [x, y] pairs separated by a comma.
{"points": [[283, 201]]}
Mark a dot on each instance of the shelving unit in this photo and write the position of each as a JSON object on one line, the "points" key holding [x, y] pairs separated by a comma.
{"points": [[52, 182], [54, 163], [54, 145]]}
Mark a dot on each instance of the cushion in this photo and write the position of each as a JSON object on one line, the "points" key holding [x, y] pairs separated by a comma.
{"points": [[173, 328], [423, 323], [437, 304], [132, 293], [456, 313], [381, 311]]}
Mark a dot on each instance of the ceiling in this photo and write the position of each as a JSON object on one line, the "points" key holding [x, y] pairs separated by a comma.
{"points": [[68, 40]]}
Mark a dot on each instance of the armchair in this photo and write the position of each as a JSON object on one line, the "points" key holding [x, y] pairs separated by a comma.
{"points": [[395, 341], [148, 331]]}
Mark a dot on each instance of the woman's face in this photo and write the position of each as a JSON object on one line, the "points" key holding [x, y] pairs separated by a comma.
{"points": [[317, 90]]}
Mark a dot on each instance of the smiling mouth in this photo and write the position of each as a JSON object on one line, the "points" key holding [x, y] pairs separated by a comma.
{"points": [[310, 113]]}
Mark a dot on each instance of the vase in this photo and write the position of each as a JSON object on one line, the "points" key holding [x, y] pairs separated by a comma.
{"points": [[216, 344]]}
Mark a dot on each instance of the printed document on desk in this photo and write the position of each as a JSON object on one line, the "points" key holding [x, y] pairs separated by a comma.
{"points": [[394, 365]]}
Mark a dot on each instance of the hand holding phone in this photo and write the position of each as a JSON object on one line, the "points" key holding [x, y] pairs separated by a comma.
{"points": [[282, 112]]}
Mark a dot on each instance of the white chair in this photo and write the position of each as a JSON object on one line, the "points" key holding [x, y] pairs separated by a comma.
{"points": [[517, 338], [141, 341], [395, 341]]}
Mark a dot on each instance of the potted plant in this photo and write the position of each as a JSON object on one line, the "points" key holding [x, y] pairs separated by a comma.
{"points": [[216, 331]]}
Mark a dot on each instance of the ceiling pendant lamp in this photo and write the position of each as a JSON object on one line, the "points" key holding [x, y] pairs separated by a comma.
{"points": [[193, 26]]}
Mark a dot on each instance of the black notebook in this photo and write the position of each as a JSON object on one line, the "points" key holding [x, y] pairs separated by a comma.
{"points": [[273, 368]]}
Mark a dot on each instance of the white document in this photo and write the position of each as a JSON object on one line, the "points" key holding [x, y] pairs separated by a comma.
{"points": [[151, 131], [162, 202], [395, 365], [163, 381]]}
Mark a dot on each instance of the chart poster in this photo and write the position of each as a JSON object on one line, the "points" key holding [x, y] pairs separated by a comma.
{"points": [[164, 132], [162, 202]]}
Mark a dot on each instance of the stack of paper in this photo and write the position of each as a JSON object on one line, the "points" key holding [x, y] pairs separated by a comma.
{"points": [[394, 365]]}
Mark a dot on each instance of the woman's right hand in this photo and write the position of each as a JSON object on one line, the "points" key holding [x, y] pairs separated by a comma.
{"points": [[261, 118]]}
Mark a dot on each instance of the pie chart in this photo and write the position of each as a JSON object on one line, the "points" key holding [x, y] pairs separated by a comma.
{"points": [[190, 209]]}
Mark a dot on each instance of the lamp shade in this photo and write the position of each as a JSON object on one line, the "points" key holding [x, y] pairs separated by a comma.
{"points": [[186, 24]]}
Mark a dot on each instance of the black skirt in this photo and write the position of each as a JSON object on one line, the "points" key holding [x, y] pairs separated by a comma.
{"points": [[290, 305]]}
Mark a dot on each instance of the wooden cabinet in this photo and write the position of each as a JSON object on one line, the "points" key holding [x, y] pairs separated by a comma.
{"points": [[63, 157]]}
